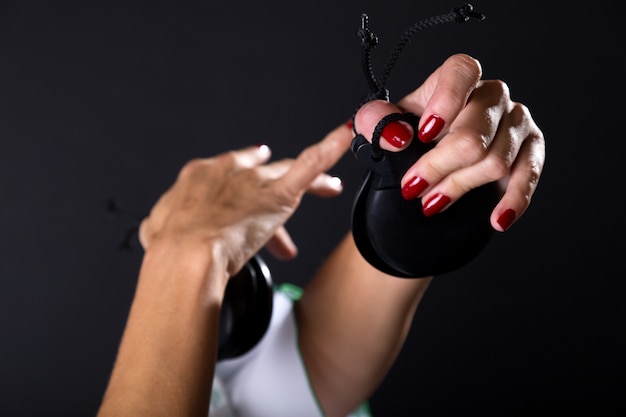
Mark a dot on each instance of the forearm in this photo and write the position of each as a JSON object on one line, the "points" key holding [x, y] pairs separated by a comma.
{"points": [[166, 357], [353, 320]]}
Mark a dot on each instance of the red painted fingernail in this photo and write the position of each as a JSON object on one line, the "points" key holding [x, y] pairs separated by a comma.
{"points": [[506, 218], [414, 187], [349, 124], [397, 134], [435, 204], [431, 128]]}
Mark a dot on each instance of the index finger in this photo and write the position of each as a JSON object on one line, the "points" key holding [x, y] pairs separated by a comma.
{"points": [[443, 95], [316, 159]]}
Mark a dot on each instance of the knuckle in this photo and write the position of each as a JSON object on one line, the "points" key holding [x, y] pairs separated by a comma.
{"points": [[535, 167], [191, 168], [496, 167], [224, 162], [285, 198], [495, 92], [519, 114], [250, 177], [472, 143], [431, 170], [467, 65], [499, 88], [457, 187], [533, 175], [312, 157], [521, 121], [290, 200], [368, 116], [228, 159]]}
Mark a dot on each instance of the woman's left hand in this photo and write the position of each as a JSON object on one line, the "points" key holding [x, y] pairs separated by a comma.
{"points": [[238, 201]]}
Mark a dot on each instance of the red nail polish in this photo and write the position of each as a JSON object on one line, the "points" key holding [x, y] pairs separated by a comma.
{"points": [[435, 204], [431, 128], [397, 134], [506, 218], [349, 124], [414, 187]]}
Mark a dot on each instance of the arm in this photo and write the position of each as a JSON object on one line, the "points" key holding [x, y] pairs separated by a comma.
{"points": [[166, 358], [354, 319], [216, 216]]}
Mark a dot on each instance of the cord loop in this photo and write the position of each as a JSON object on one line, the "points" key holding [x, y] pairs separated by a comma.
{"points": [[369, 40]]}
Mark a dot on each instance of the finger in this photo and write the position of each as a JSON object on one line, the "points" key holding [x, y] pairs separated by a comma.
{"points": [[281, 246], [316, 159], [467, 143], [251, 156], [396, 136], [522, 182], [274, 170], [326, 186], [443, 95], [504, 154], [248, 157], [323, 185]]}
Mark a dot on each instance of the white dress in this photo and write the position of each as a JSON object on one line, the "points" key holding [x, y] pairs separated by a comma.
{"points": [[270, 380]]}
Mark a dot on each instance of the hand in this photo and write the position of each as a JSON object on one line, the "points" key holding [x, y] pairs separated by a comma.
{"points": [[482, 136], [238, 202]]}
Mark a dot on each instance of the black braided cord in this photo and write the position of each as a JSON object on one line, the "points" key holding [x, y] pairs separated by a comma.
{"points": [[377, 89]]}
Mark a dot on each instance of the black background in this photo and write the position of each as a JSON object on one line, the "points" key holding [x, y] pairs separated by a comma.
{"points": [[104, 99]]}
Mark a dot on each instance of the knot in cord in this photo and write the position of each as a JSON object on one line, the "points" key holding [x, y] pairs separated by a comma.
{"points": [[465, 12], [368, 38], [377, 89], [368, 42]]}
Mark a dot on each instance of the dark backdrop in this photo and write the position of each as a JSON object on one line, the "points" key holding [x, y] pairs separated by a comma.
{"points": [[106, 100]]}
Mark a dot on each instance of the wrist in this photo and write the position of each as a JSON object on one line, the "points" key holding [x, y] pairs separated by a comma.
{"points": [[185, 265], [170, 340]]}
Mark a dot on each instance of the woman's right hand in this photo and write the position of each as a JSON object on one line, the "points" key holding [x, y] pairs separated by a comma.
{"points": [[235, 203], [481, 136]]}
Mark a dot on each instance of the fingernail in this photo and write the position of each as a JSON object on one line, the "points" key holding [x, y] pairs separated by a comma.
{"points": [[506, 218], [431, 128], [336, 183], [349, 124], [263, 149], [397, 134], [414, 187], [435, 204]]}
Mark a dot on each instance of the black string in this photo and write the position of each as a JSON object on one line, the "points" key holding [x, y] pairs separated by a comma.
{"points": [[460, 14], [368, 41], [377, 89], [378, 130], [130, 239]]}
